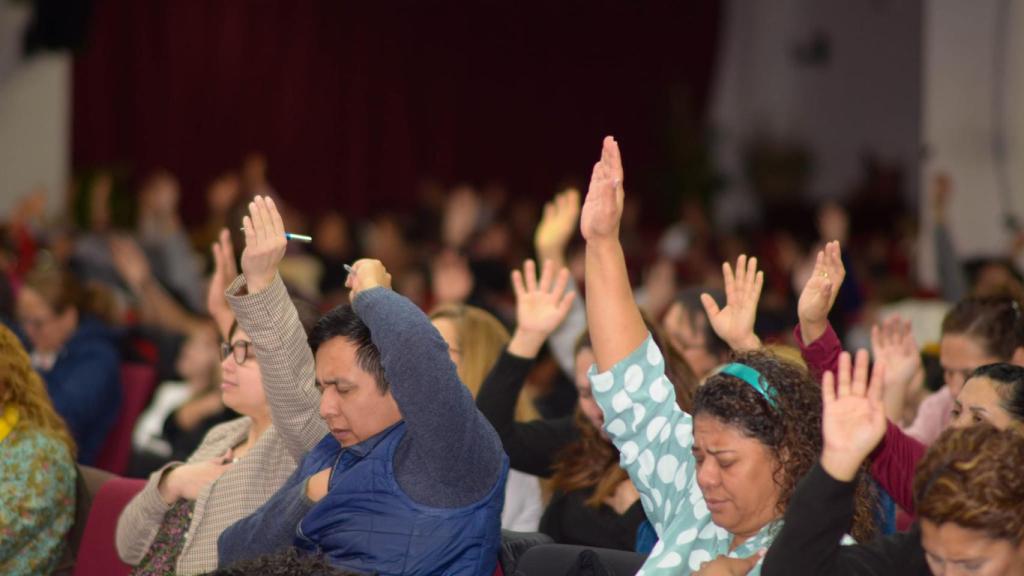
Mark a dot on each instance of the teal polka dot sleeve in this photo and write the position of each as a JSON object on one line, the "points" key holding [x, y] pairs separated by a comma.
{"points": [[654, 438]]}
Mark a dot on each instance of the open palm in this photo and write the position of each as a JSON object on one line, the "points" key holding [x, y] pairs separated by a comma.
{"points": [[541, 305], [735, 322], [853, 417], [822, 288], [602, 209], [557, 225]]}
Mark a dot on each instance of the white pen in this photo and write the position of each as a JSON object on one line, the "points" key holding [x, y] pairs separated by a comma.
{"points": [[290, 236]]}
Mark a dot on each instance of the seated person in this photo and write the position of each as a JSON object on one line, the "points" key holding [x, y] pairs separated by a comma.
{"points": [[172, 525], [715, 482], [408, 476], [75, 352], [968, 491], [37, 468]]}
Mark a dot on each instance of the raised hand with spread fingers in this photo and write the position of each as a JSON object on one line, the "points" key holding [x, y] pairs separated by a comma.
{"points": [[853, 417], [893, 343], [540, 306], [735, 322]]}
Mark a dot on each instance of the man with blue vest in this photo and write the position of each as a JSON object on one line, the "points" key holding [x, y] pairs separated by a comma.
{"points": [[403, 474]]}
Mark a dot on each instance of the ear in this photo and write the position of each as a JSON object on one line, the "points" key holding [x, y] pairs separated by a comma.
{"points": [[1018, 356]]}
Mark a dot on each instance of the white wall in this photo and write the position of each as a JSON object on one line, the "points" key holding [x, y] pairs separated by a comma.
{"points": [[35, 130], [865, 98], [968, 105]]}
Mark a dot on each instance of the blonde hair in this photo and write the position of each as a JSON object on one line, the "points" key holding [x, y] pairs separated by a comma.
{"points": [[481, 338], [21, 386]]}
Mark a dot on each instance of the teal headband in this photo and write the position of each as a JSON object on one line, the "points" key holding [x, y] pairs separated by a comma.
{"points": [[752, 377]]}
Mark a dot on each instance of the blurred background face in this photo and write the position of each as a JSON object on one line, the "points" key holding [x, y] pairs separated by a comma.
{"points": [[959, 355], [686, 333], [979, 401], [951, 549], [46, 330], [198, 355], [584, 360]]}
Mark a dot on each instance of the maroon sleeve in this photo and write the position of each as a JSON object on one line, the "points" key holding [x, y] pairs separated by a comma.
{"points": [[822, 355], [894, 460], [893, 464]]}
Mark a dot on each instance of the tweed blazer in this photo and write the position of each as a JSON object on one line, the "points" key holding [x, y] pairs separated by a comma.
{"points": [[288, 374], [243, 488]]}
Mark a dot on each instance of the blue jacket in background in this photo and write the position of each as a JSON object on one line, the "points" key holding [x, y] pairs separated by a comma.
{"points": [[85, 386]]}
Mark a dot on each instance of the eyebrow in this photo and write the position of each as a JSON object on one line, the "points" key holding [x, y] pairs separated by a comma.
{"points": [[335, 382], [714, 452]]}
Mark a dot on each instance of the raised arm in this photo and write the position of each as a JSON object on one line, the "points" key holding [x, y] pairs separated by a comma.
{"points": [[557, 227], [853, 422], [616, 327], [269, 317], [818, 343], [652, 434], [540, 307], [449, 440]]}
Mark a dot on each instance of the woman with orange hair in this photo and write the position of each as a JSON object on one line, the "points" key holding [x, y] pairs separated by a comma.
{"points": [[37, 468]]}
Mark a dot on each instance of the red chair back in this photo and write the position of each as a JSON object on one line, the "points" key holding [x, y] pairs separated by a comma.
{"points": [[137, 383], [97, 554]]}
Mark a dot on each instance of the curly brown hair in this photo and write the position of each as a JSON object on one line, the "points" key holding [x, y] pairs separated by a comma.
{"points": [[972, 477], [592, 461], [791, 430], [21, 386]]}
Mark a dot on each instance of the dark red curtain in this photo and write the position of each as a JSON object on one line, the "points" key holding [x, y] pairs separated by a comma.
{"points": [[355, 103]]}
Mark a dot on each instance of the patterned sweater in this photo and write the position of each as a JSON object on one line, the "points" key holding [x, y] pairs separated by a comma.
{"points": [[37, 498], [654, 438]]}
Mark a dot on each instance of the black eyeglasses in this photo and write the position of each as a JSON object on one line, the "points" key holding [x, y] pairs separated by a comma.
{"points": [[240, 350]]}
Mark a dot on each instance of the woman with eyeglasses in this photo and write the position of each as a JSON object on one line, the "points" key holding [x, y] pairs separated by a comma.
{"points": [[172, 525]]}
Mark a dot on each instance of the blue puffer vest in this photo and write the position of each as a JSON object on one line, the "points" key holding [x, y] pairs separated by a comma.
{"points": [[368, 524]]}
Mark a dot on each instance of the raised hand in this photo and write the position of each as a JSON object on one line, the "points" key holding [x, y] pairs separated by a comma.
{"points": [[451, 279], [461, 217], [820, 292], [557, 227], [725, 566], [265, 243], [540, 306], [853, 417], [224, 272], [602, 209], [367, 273], [893, 343], [735, 322], [129, 261]]}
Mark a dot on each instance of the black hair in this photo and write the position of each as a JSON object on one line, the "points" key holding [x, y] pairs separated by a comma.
{"points": [[343, 322], [1010, 377]]}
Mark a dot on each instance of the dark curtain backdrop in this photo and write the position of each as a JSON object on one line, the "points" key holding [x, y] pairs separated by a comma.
{"points": [[354, 104]]}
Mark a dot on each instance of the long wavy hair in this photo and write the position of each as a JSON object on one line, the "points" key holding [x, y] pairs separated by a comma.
{"points": [[481, 338], [790, 430], [22, 387], [593, 461]]}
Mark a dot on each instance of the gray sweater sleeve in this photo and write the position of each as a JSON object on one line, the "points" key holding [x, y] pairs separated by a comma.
{"points": [[562, 342], [450, 456]]}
